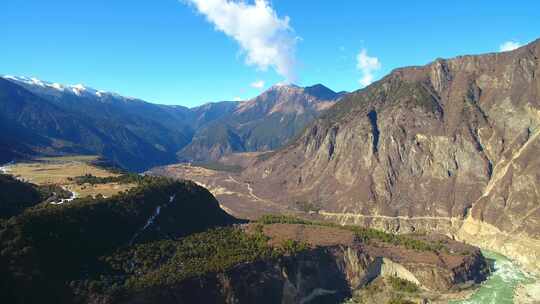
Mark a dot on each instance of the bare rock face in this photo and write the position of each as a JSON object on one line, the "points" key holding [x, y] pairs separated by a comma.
{"points": [[450, 147], [431, 142], [422, 141]]}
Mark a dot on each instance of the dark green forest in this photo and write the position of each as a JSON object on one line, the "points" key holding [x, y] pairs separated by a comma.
{"points": [[48, 250], [152, 236]]}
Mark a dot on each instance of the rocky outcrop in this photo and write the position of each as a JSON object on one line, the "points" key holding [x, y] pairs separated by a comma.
{"points": [[299, 279], [522, 248], [453, 137], [448, 147], [321, 275]]}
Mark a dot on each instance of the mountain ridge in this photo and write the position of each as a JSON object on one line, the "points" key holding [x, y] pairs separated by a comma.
{"points": [[442, 144], [33, 82], [136, 134], [446, 147], [262, 123]]}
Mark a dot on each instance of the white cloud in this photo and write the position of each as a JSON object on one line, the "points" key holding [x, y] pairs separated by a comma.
{"points": [[367, 66], [259, 84], [237, 98], [266, 40], [509, 46]]}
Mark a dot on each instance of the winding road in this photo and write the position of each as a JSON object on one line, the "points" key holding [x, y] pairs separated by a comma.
{"points": [[399, 217], [250, 190]]}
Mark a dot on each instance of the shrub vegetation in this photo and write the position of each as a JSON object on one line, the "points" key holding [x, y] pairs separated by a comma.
{"points": [[362, 234], [402, 285], [127, 178]]}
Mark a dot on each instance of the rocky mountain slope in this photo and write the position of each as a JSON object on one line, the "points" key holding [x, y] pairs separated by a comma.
{"points": [[50, 118], [450, 146], [169, 241], [260, 124], [332, 267], [98, 104]]}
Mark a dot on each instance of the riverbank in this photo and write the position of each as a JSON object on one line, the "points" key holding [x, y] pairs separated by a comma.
{"points": [[508, 284], [527, 293]]}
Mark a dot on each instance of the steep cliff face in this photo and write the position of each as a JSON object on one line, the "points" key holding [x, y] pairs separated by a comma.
{"points": [[321, 275], [429, 143], [298, 279], [445, 126], [449, 147]]}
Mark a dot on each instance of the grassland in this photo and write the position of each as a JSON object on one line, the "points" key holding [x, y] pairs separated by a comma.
{"points": [[62, 170]]}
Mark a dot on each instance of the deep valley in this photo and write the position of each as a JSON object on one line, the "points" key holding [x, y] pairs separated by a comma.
{"points": [[421, 187]]}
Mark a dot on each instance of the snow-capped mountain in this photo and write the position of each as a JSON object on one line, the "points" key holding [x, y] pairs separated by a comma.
{"points": [[137, 134], [43, 117], [39, 86]]}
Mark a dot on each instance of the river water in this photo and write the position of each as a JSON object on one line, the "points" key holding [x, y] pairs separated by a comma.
{"points": [[499, 287]]}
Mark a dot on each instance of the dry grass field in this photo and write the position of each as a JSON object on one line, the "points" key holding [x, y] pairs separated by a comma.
{"points": [[58, 170]]}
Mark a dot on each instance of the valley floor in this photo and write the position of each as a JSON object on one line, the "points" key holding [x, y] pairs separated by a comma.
{"points": [[61, 171], [244, 199]]}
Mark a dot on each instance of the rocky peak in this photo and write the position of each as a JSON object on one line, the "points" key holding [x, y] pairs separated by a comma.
{"points": [[290, 98], [283, 87], [263, 123], [318, 90], [322, 92], [436, 143], [282, 90]]}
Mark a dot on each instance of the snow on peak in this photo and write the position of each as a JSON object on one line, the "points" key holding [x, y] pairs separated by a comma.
{"points": [[57, 86], [33, 81], [37, 82], [52, 87], [78, 89], [9, 77]]}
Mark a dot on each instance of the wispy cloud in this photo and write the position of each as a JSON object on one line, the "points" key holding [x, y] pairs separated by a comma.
{"points": [[509, 46], [367, 66], [267, 40], [259, 84]]}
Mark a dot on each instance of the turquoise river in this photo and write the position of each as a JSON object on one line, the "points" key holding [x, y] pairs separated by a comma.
{"points": [[499, 287]]}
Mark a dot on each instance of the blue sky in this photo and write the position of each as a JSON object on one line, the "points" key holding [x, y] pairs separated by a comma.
{"points": [[194, 51]]}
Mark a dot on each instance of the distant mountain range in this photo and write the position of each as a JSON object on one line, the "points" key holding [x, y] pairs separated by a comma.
{"points": [[260, 124], [449, 147], [50, 118]]}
